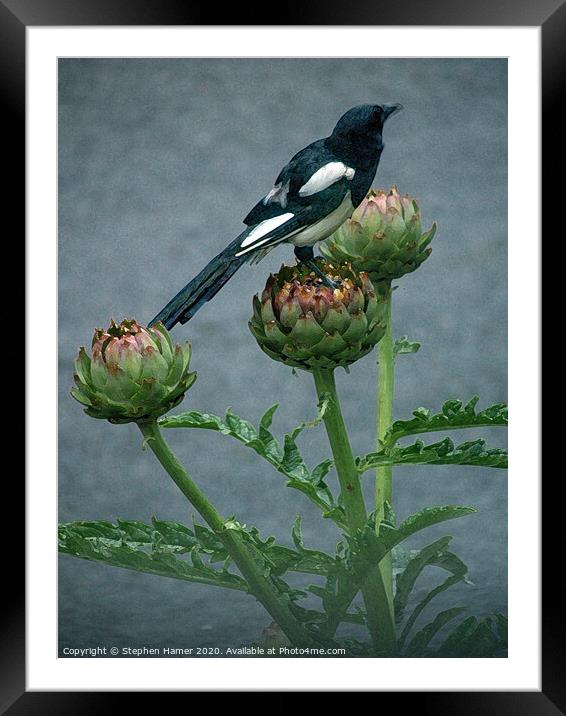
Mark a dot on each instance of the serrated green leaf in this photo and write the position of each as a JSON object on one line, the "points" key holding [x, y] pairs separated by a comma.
{"points": [[458, 571], [135, 531], [239, 426], [307, 616], [319, 591], [282, 559], [292, 463], [476, 637], [296, 534], [419, 643], [457, 637], [174, 533], [375, 547], [156, 556], [454, 416], [323, 405], [320, 471], [426, 518], [209, 541], [341, 586], [100, 529], [407, 578], [267, 417], [165, 546], [404, 345], [473, 452], [287, 459], [195, 419], [196, 559]]}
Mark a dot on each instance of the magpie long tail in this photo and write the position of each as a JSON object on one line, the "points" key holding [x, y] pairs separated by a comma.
{"points": [[201, 289]]}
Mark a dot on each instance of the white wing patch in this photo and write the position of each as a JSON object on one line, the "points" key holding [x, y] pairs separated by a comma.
{"points": [[263, 228], [325, 177]]}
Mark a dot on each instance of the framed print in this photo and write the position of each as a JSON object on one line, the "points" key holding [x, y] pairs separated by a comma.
{"points": [[330, 492]]}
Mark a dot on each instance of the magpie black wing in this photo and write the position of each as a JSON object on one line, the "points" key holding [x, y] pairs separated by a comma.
{"points": [[273, 230], [313, 177]]}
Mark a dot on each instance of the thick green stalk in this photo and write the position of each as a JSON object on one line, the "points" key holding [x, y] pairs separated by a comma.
{"points": [[380, 623], [384, 475], [259, 585], [351, 489]]}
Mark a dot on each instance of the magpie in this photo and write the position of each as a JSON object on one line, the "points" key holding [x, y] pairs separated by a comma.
{"points": [[313, 195]]}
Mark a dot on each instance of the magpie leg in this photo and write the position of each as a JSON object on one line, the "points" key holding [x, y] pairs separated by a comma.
{"points": [[323, 277], [305, 255]]}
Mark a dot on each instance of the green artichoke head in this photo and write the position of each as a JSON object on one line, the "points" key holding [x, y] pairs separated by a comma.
{"points": [[305, 324], [383, 237], [132, 374]]}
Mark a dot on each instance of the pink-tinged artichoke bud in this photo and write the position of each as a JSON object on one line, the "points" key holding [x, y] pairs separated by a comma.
{"points": [[132, 374], [383, 237], [305, 324]]}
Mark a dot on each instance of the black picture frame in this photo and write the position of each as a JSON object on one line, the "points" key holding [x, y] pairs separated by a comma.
{"points": [[15, 17]]}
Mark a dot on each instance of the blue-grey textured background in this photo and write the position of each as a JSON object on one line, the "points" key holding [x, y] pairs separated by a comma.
{"points": [[158, 162]]}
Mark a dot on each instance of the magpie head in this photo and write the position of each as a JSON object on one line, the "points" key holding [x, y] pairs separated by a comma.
{"points": [[366, 120]]}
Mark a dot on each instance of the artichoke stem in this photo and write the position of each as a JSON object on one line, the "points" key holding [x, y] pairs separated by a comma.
{"points": [[384, 475], [350, 487], [379, 616], [259, 585]]}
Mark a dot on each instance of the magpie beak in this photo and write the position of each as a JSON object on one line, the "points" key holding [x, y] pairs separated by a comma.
{"points": [[391, 109]]}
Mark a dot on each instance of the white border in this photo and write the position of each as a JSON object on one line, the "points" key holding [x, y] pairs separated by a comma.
{"points": [[521, 671]]}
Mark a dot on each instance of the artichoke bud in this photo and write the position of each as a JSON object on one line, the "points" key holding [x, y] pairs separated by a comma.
{"points": [[132, 374], [383, 237], [305, 324]]}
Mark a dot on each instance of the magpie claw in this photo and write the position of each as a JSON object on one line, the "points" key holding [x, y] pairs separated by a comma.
{"points": [[328, 282]]}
